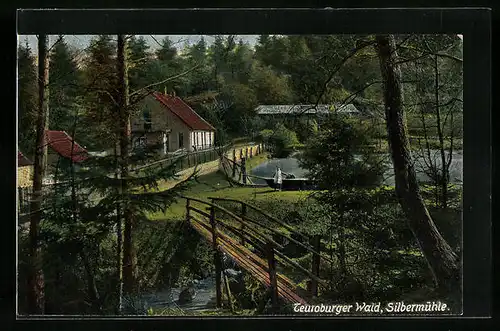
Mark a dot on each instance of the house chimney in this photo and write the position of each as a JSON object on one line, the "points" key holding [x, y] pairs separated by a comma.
{"points": [[173, 93], [165, 88]]}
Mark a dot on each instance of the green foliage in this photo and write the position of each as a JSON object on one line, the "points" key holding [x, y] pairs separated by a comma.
{"points": [[167, 52], [382, 259], [282, 140], [340, 155], [270, 88], [65, 84], [27, 100], [139, 60], [100, 100], [382, 262], [243, 102]]}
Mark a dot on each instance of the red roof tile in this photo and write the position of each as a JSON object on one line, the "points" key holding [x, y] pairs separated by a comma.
{"points": [[183, 112], [62, 143], [22, 160]]}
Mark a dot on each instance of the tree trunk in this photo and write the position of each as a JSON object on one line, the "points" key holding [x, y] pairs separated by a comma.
{"points": [[91, 283], [341, 248], [443, 262], [119, 240], [129, 253], [36, 283], [431, 168], [445, 174]]}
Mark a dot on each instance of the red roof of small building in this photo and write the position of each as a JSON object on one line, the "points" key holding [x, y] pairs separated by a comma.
{"points": [[22, 160], [62, 143], [185, 113]]}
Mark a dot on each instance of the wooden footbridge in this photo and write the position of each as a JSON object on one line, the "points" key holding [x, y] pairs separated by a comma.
{"points": [[252, 242]]}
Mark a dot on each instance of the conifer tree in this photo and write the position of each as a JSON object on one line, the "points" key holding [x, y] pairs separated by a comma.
{"points": [[167, 52], [27, 100], [65, 85], [139, 60], [100, 97], [36, 283]]}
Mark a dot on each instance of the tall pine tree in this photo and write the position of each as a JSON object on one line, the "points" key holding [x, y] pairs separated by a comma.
{"points": [[27, 100], [100, 96], [139, 61], [65, 85]]}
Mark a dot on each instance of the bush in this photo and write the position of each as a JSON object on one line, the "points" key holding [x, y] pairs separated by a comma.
{"points": [[340, 155], [383, 261], [281, 140]]}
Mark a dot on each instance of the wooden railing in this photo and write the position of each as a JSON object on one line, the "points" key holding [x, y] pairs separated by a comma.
{"points": [[248, 232], [190, 159], [312, 245], [187, 160]]}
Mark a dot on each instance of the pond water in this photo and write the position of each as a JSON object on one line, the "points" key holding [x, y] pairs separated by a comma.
{"points": [[291, 165]]}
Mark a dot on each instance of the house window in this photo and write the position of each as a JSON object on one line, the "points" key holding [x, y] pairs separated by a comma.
{"points": [[181, 140], [140, 142]]}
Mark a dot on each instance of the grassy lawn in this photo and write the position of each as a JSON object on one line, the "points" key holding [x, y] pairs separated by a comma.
{"points": [[215, 185], [256, 160]]}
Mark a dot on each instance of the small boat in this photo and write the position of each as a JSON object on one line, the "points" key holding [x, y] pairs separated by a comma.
{"points": [[293, 184]]}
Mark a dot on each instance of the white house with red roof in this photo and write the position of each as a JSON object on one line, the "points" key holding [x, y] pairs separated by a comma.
{"points": [[168, 121]]}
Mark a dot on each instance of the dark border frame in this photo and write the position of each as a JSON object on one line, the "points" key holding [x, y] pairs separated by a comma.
{"points": [[473, 23]]}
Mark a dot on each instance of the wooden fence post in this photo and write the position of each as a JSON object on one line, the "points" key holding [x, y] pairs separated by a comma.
{"points": [[228, 293], [246, 152], [244, 170], [273, 280], [217, 259], [251, 151], [234, 162], [241, 153], [316, 244]]}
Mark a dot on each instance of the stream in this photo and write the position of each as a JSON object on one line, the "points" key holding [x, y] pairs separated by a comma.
{"points": [[203, 300]]}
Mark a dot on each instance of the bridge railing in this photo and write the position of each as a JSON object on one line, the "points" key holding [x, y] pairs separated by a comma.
{"points": [[258, 240], [248, 233], [313, 243]]}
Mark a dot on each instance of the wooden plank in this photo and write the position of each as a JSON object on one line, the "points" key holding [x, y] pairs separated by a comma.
{"points": [[261, 274]]}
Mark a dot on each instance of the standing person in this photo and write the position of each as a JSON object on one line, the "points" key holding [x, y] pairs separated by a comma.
{"points": [[278, 179]]}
